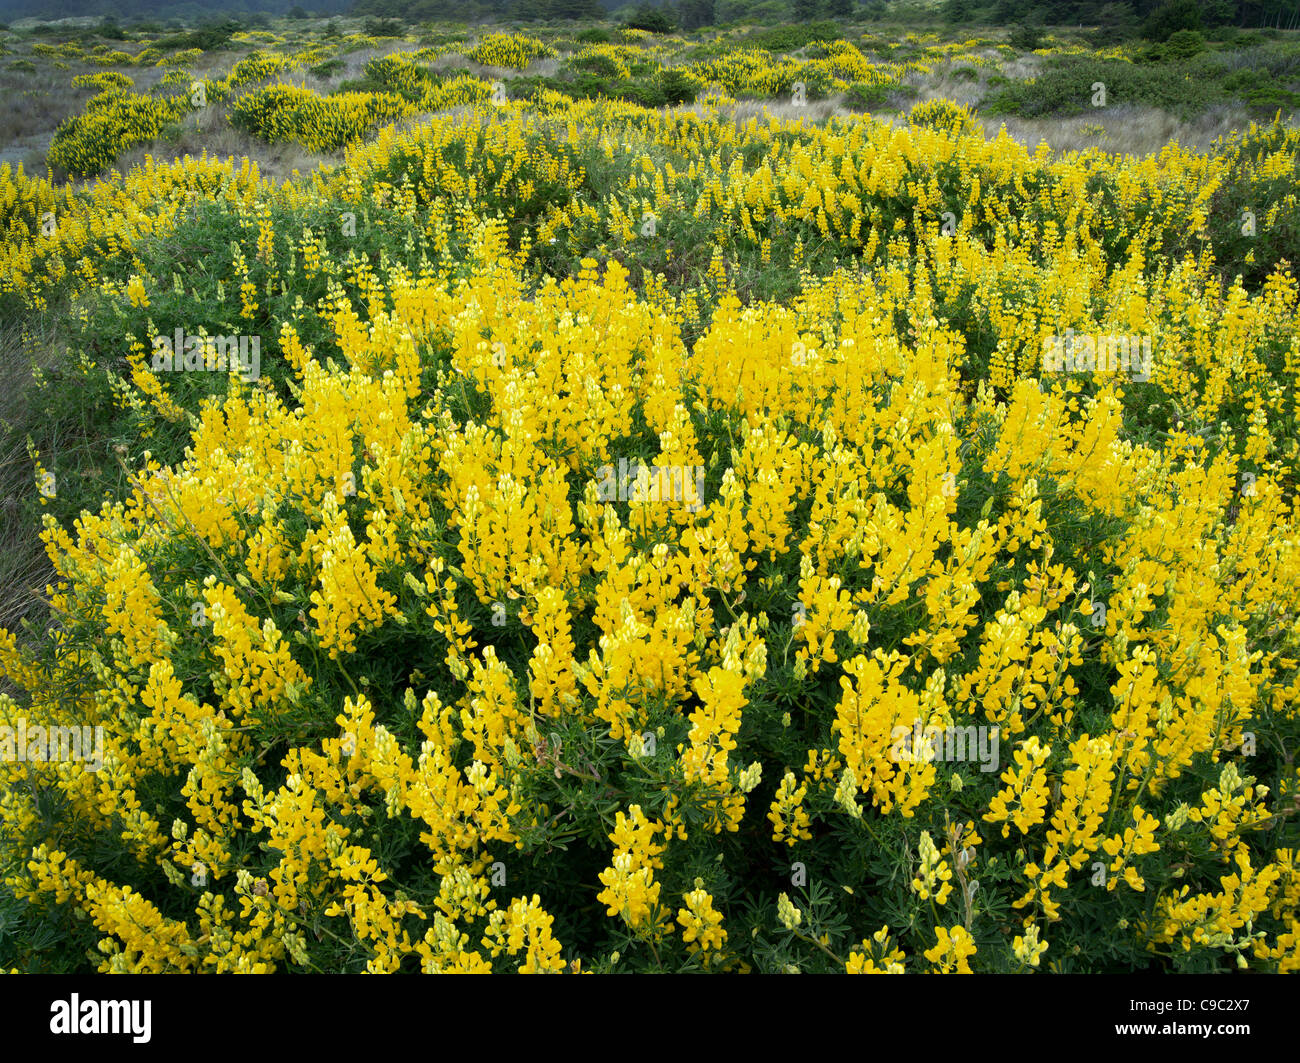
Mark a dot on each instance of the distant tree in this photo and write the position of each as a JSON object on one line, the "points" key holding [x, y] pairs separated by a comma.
{"points": [[1184, 44], [384, 27], [1025, 38], [696, 13], [839, 8], [1168, 19], [1116, 22], [569, 9], [956, 11], [296, 12], [805, 10], [1218, 12], [651, 19]]}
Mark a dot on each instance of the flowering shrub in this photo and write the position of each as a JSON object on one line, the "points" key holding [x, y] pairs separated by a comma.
{"points": [[258, 66], [112, 59], [708, 696], [660, 543], [185, 57], [98, 221], [512, 50], [397, 73], [944, 115], [114, 121], [109, 79], [280, 113]]}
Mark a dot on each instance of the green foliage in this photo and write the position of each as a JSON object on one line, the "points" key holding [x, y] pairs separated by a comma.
{"points": [[678, 86], [1065, 87], [1171, 17], [651, 19], [863, 96], [1025, 38], [783, 39], [384, 27], [1180, 76], [601, 66], [328, 68], [1184, 44], [209, 37], [110, 30]]}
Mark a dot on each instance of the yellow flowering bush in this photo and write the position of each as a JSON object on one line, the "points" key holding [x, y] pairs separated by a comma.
{"points": [[515, 50], [662, 543], [258, 66], [279, 113], [943, 114], [88, 143], [109, 79]]}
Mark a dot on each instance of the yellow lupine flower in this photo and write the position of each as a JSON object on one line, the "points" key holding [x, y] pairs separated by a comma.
{"points": [[952, 951]]}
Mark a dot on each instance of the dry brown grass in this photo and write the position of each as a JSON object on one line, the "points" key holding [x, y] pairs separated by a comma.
{"points": [[24, 567], [1121, 130], [210, 132], [40, 102], [943, 84], [36, 104], [449, 61], [1020, 68], [743, 111]]}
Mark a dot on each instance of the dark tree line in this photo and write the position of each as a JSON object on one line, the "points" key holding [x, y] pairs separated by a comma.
{"points": [[1156, 19], [480, 10], [151, 10]]}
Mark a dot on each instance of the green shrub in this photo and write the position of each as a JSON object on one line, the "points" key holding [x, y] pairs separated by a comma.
{"points": [[394, 73], [651, 19], [678, 86], [1168, 19], [384, 27], [328, 68], [863, 96], [1025, 38], [792, 38], [1065, 87], [208, 37], [1184, 44], [599, 65]]}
